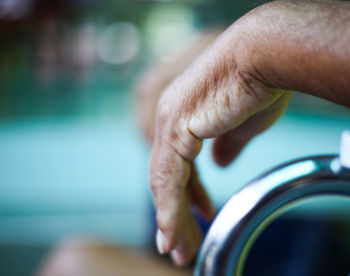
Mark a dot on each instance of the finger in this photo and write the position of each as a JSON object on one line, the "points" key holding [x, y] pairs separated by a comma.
{"points": [[169, 177], [189, 240], [173, 150], [229, 145], [151, 84], [199, 196], [226, 147]]}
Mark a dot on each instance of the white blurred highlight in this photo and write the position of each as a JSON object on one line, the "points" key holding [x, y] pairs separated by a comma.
{"points": [[118, 43], [170, 28]]}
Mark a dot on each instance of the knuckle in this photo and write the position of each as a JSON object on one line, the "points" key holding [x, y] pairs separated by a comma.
{"points": [[156, 186], [162, 183], [159, 181], [163, 113]]}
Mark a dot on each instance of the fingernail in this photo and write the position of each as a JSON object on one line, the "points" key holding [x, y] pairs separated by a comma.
{"points": [[176, 257], [161, 242]]}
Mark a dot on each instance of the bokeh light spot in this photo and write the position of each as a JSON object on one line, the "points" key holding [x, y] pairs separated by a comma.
{"points": [[168, 27], [118, 43]]}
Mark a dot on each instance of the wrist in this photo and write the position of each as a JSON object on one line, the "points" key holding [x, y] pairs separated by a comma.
{"points": [[256, 38], [249, 40], [297, 45]]}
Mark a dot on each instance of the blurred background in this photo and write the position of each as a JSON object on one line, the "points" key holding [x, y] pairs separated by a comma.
{"points": [[72, 159]]}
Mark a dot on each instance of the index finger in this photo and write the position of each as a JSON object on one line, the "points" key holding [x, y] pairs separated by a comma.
{"points": [[169, 174], [170, 169]]}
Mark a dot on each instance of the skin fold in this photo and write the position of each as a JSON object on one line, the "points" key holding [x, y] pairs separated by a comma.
{"points": [[234, 90]]}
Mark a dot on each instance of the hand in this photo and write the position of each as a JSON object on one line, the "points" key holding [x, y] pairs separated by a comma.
{"points": [[230, 93], [152, 83], [216, 97]]}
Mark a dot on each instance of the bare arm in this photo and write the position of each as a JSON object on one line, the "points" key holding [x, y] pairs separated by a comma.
{"points": [[303, 46], [235, 90]]}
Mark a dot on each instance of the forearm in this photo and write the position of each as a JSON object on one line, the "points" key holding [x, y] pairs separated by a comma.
{"points": [[303, 46]]}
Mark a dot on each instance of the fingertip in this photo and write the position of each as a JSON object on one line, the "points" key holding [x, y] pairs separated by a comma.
{"points": [[188, 245], [225, 151], [219, 154], [221, 161], [165, 241], [161, 242], [177, 258]]}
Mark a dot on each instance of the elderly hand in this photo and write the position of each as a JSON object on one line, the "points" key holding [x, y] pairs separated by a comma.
{"points": [[216, 97], [232, 92]]}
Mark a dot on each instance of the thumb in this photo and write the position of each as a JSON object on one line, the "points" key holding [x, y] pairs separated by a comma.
{"points": [[227, 146]]}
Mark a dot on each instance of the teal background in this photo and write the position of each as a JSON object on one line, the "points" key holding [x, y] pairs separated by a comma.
{"points": [[73, 162]]}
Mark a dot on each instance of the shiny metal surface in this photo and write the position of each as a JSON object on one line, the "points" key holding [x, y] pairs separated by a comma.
{"points": [[249, 211]]}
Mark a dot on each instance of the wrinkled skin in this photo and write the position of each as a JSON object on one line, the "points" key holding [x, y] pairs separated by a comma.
{"points": [[184, 119], [233, 91], [225, 147]]}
